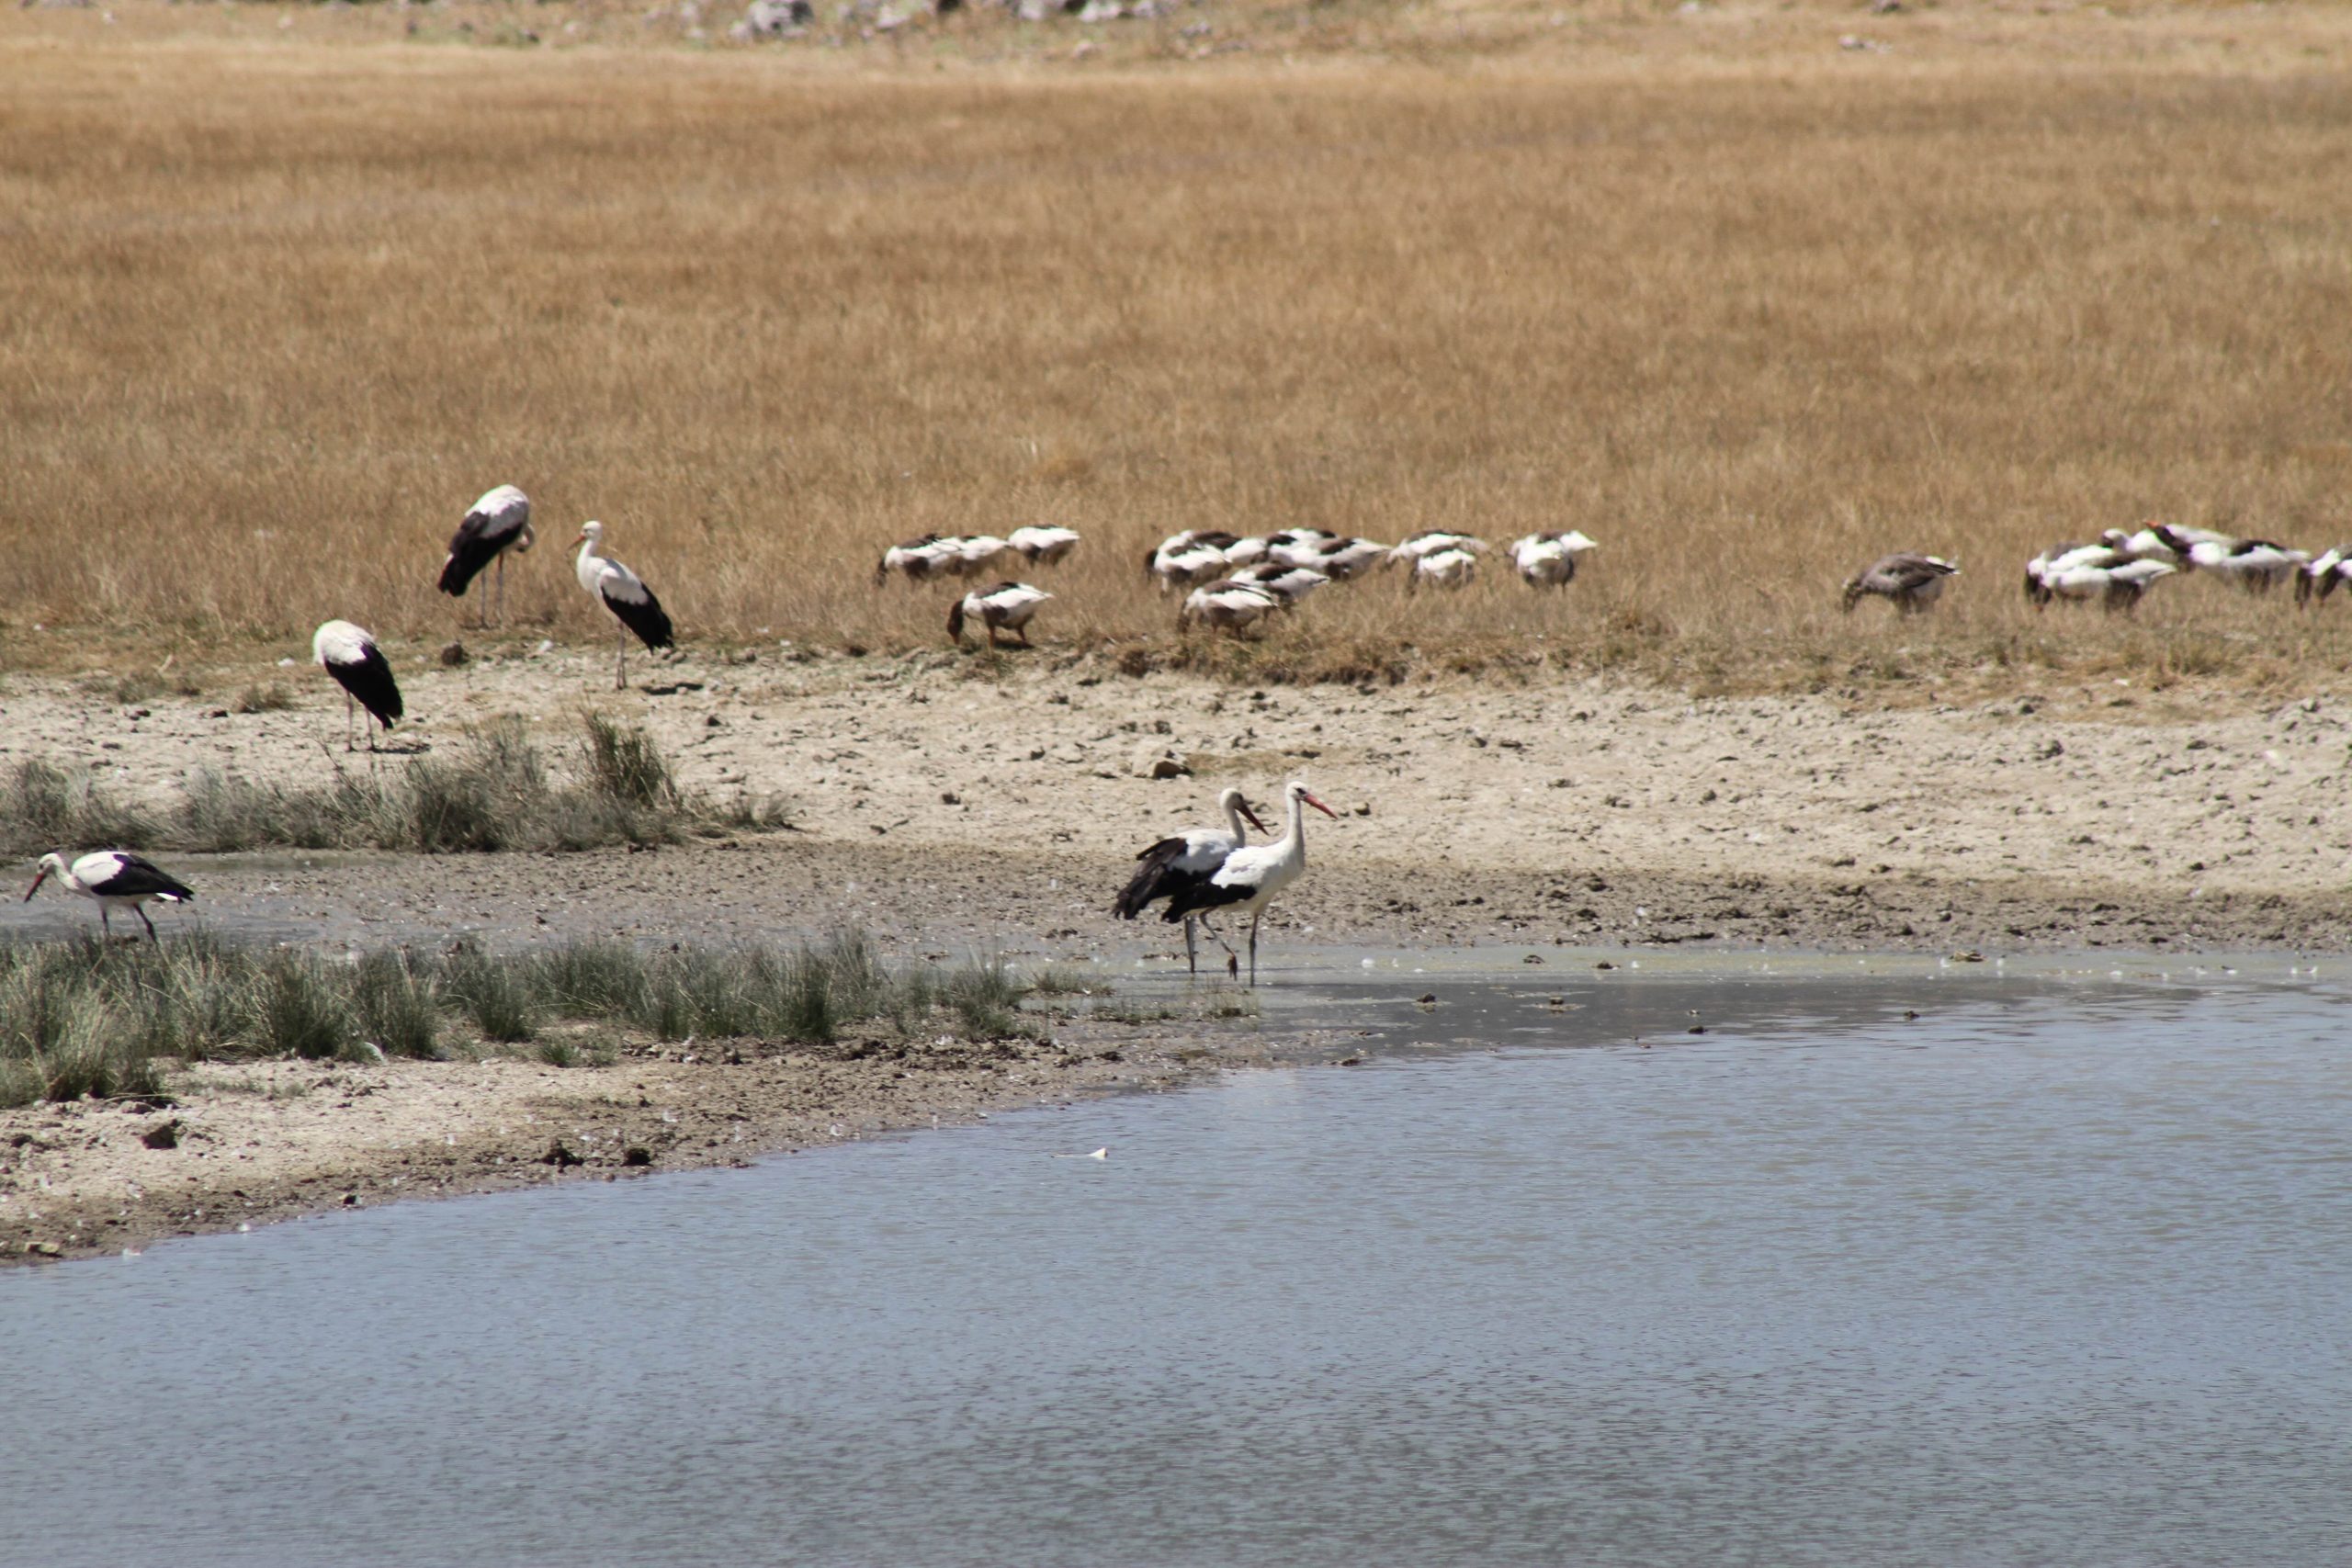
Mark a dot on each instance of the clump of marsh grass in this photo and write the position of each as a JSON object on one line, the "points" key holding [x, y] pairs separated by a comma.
{"points": [[83, 1017], [258, 698], [497, 792]]}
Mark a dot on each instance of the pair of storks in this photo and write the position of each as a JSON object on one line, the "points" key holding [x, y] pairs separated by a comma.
{"points": [[1208, 869], [498, 522]]}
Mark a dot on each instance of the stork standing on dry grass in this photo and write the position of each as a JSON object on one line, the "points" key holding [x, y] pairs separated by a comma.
{"points": [[1912, 581], [1176, 866], [350, 655], [1043, 545], [499, 522], [1549, 559], [622, 593], [117, 879], [1006, 608], [1228, 606]]}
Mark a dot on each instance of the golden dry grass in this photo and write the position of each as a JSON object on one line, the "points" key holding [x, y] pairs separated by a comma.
{"points": [[1747, 308]]}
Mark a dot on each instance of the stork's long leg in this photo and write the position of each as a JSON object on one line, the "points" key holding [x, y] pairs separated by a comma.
{"points": [[502, 587], [140, 912], [1192, 947], [1253, 948], [1218, 934], [620, 676], [347, 744], [106, 926]]}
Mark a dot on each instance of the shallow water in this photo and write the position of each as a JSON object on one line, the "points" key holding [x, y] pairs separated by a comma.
{"points": [[2059, 1271]]}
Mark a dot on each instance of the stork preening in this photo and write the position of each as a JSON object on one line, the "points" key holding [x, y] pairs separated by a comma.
{"points": [[1043, 545], [350, 655], [1253, 875], [499, 522], [1549, 559], [622, 593], [1005, 607], [117, 880], [1912, 581], [1175, 865], [1228, 606]]}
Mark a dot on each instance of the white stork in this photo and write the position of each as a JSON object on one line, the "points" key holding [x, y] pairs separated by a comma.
{"points": [[1007, 606], [919, 560], [1341, 559], [350, 655], [976, 553], [625, 594], [1043, 545], [1549, 559], [1298, 546], [499, 522], [1196, 554], [2091, 571], [117, 880], [2324, 575], [1251, 875], [1228, 605], [1912, 580], [1174, 864], [1452, 566], [1434, 540], [1287, 583]]}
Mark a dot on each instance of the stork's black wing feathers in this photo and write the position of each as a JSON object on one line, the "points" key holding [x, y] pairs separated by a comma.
{"points": [[1199, 893], [646, 620], [472, 548], [141, 877], [1157, 878], [370, 682]]}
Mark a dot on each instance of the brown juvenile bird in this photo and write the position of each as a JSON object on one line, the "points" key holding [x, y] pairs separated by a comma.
{"points": [[1914, 582]]}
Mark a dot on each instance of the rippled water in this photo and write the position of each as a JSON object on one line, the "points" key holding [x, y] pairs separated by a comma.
{"points": [[2051, 1274]]}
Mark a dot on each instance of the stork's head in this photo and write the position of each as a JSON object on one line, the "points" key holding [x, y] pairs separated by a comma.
{"points": [[1296, 792], [51, 862], [591, 533], [1233, 800]]}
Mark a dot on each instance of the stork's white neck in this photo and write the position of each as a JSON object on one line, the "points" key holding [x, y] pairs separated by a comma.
{"points": [[1234, 824]]}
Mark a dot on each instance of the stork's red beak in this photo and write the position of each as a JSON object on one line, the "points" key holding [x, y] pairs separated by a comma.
{"points": [[1308, 796], [44, 878], [1249, 816]]}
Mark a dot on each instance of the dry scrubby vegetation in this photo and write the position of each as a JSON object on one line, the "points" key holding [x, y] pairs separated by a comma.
{"points": [[89, 1018], [498, 793], [1748, 309]]}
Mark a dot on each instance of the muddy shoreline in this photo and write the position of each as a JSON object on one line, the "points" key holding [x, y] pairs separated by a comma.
{"points": [[948, 815]]}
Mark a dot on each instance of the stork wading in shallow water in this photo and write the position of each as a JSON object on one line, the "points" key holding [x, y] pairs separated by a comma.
{"points": [[1174, 866], [1912, 580], [499, 522], [1007, 606], [1253, 874], [622, 593], [350, 655], [117, 879]]}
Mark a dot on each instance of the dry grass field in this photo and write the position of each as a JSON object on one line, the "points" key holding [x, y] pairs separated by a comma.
{"points": [[283, 289]]}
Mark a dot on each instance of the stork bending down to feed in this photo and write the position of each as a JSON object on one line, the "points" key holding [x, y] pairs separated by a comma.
{"points": [[117, 879], [1912, 580], [1549, 559], [625, 594], [1174, 866], [499, 522], [358, 666], [1252, 876], [1008, 606], [1043, 545]]}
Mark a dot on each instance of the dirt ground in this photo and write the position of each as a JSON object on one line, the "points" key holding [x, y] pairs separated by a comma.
{"points": [[949, 806]]}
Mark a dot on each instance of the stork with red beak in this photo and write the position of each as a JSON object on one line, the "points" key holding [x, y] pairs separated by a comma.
{"points": [[1176, 864], [1250, 878]]}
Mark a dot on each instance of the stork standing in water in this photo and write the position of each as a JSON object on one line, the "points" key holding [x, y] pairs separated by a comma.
{"points": [[1174, 866], [1008, 606], [625, 594], [499, 522], [117, 879], [358, 666], [1253, 875]]}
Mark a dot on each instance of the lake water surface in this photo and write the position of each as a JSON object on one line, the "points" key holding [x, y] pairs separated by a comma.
{"points": [[2059, 1271]]}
